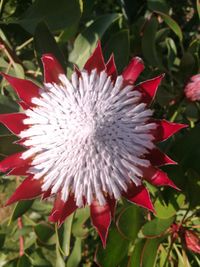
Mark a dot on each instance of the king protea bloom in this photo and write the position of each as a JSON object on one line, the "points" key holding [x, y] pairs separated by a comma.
{"points": [[192, 89], [88, 140]]}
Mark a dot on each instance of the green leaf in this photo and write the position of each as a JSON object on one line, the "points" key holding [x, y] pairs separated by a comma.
{"points": [[7, 105], [173, 25], [2, 240], [64, 235], [149, 43], [57, 15], [80, 217], [44, 231], [45, 43], [164, 211], [156, 227], [136, 254], [198, 8], [149, 252], [116, 250], [8, 146], [119, 45], [75, 256], [21, 208], [87, 40], [130, 221], [160, 5], [24, 262], [67, 235]]}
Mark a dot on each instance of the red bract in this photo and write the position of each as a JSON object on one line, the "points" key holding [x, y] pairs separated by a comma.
{"points": [[192, 241], [89, 140], [192, 89]]}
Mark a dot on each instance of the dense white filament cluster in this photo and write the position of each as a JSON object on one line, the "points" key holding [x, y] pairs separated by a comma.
{"points": [[88, 136]]}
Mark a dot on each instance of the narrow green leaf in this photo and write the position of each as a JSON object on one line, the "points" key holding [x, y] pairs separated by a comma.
{"points": [[136, 254], [119, 45], [87, 40], [156, 227], [198, 8], [21, 208], [67, 235], [173, 25], [45, 43], [75, 256], [149, 43], [2, 240]]}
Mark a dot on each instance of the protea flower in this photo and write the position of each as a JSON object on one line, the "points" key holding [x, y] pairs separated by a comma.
{"points": [[192, 89], [89, 140]]}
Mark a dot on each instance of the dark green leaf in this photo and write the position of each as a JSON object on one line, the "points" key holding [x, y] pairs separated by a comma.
{"points": [[148, 43], [8, 146], [2, 240], [24, 262], [116, 250], [21, 208], [159, 5], [57, 15], [7, 105], [44, 231], [119, 46], [45, 43]]}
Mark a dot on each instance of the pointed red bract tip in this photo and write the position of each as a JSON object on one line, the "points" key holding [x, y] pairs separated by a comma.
{"points": [[25, 89], [149, 88], [166, 129], [61, 209], [96, 60], [52, 69], [111, 69], [157, 177], [133, 70], [140, 196], [28, 189], [101, 219], [158, 158], [14, 122], [13, 161]]}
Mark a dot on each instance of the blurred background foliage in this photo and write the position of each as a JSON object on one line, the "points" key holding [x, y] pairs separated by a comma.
{"points": [[166, 34]]}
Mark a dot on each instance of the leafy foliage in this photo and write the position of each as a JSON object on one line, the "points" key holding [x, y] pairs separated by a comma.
{"points": [[164, 33]]}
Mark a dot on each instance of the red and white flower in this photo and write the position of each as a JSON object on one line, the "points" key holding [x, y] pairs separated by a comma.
{"points": [[89, 140], [192, 89]]}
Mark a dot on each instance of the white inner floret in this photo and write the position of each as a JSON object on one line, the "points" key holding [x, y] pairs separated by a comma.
{"points": [[88, 136]]}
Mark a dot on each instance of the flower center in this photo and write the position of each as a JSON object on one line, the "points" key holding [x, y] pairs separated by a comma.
{"points": [[88, 137]]}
